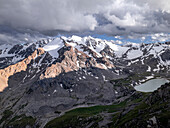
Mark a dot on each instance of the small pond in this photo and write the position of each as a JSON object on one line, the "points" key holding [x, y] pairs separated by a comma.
{"points": [[151, 85]]}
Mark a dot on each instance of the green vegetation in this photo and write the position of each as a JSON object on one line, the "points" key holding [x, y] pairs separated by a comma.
{"points": [[83, 116], [132, 114], [6, 114], [120, 82], [21, 121], [127, 81], [138, 115], [163, 118], [138, 77], [141, 114], [17, 121], [69, 120], [114, 119]]}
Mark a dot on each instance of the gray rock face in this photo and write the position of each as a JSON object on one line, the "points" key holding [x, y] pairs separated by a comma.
{"points": [[155, 109], [161, 95], [165, 56], [89, 83], [15, 49], [13, 54]]}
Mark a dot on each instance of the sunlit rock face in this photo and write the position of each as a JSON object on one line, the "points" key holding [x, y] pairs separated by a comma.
{"points": [[18, 67], [60, 73], [73, 53]]}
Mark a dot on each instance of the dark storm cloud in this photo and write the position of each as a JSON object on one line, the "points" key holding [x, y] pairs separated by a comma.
{"points": [[113, 17], [11, 35]]}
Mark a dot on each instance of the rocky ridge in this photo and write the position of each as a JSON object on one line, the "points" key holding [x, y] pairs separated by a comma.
{"points": [[47, 77]]}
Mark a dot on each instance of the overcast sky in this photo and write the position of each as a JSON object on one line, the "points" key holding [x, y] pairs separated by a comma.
{"points": [[111, 17]]}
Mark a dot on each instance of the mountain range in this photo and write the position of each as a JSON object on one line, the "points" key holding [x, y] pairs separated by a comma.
{"points": [[83, 82]]}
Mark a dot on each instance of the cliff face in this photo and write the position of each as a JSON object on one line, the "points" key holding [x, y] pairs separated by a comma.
{"points": [[71, 60], [162, 95], [72, 54], [18, 67], [152, 112], [138, 111], [42, 79]]}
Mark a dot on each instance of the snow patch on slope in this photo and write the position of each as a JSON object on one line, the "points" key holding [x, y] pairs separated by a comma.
{"points": [[96, 45], [54, 46], [134, 54]]}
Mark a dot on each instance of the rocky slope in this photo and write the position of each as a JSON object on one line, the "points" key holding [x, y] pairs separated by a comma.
{"points": [[40, 80], [138, 111], [18, 67], [151, 112]]}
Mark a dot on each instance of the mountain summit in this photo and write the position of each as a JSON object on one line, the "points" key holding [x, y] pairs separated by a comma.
{"points": [[43, 79]]}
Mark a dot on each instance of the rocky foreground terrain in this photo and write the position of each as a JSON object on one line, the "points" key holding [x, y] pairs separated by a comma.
{"points": [[82, 82]]}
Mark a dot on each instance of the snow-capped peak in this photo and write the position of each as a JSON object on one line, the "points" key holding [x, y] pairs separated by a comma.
{"points": [[94, 44], [54, 46]]}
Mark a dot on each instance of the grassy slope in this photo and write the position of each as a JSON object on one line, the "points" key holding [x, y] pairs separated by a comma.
{"points": [[137, 116], [83, 116]]}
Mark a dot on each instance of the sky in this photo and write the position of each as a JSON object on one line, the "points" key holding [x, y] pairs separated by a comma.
{"points": [[22, 20]]}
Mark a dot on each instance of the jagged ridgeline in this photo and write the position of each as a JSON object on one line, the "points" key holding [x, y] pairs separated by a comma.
{"points": [[82, 82]]}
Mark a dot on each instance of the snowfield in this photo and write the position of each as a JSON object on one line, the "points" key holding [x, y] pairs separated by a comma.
{"points": [[54, 46]]}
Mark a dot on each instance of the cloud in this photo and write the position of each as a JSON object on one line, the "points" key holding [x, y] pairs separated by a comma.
{"points": [[10, 35], [163, 5], [112, 17], [128, 17], [46, 15], [160, 37]]}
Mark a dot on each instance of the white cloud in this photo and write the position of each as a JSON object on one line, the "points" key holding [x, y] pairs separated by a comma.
{"points": [[113, 17], [160, 37], [155, 4]]}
